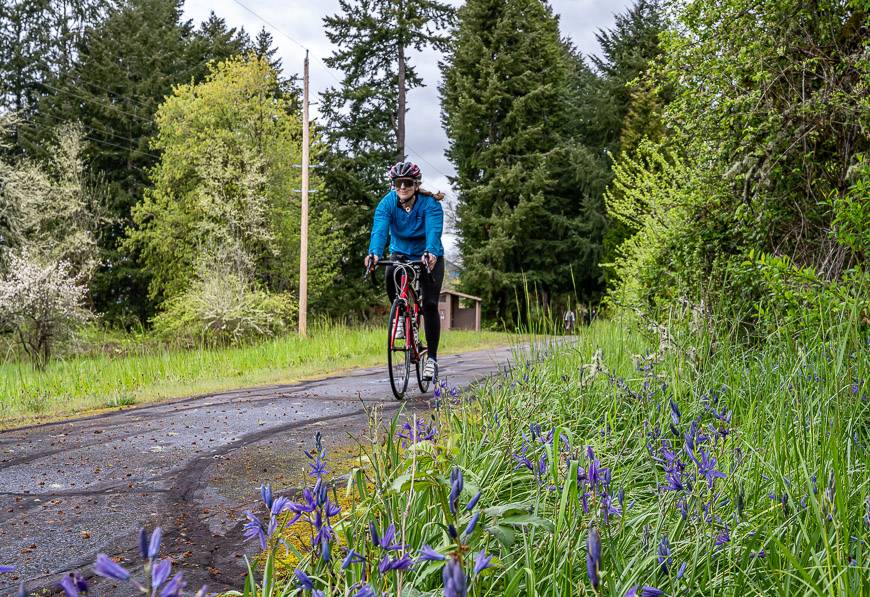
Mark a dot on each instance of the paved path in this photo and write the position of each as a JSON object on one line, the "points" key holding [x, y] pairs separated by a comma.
{"points": [[71, 489]]}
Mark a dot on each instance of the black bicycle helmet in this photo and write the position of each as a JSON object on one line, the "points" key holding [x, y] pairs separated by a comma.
{"points": [[405, 170]]}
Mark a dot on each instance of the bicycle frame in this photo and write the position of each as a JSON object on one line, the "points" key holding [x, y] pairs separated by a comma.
{"points": [[405, 311], [407, 281]]}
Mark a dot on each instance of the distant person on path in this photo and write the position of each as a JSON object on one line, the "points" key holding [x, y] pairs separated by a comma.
{"points": [[414, 218], [569, 321]]}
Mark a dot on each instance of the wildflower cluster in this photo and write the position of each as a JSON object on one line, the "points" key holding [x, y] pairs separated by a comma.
{"points": [[157, 572], [420, 431]]}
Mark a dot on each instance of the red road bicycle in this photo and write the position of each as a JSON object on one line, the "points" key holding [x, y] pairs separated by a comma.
{"points": [[405, 313]]}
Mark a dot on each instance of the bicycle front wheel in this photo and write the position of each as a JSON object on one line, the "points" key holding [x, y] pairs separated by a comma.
{"points": [[398, 352]]}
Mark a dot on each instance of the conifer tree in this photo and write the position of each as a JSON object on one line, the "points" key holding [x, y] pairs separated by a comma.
{"points": [[264, 47], [529, 190], [627, 104], [126, 65], [38, 43]]}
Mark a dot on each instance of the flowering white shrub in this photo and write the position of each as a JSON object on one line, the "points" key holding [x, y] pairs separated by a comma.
{"points": [[42, 302], [224, 305]]}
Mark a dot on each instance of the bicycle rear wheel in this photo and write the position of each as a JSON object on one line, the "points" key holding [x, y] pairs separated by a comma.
{"points": [[398, 357]]}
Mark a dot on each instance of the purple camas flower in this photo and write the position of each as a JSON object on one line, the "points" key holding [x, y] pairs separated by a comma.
{"points": [[266, 495], [365, 591], [279, 505], [402, 563], [303, 580], [664, 554], [707, 467], [681, 571], [427, 554], [73, 584], [674, 481], [174, 587], [255, 529], [456, 484], [143, 543], [455, 583], [387, 541], [481, 562], [522, 460], [419, 432], [675, 413], [154, 544], [471, 524], [351, 558], [644, 591], [160, 572], [472, 502], [593, 556], [722, 538], [108, 568]]}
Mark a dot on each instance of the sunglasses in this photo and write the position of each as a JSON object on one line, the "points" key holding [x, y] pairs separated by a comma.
{"points": [[405, 183]]}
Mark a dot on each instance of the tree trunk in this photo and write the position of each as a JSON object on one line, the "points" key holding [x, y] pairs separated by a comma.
{"points": [[400, 116]]}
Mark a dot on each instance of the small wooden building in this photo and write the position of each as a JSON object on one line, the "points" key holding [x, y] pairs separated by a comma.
{"points": [[459, 311]]}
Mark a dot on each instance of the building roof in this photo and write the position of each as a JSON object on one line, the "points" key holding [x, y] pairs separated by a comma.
{"points": [[460, 294]]}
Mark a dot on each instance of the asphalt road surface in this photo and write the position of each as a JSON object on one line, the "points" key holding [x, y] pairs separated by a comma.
{"points": [[72, 489]]}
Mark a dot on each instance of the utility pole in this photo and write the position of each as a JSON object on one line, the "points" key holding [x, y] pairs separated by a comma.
{"points": [[303, 249]]}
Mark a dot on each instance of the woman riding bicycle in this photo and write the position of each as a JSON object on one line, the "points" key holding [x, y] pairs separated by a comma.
{"points": [[414, 219]]}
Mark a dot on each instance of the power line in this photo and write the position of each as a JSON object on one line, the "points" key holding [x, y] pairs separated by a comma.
{"points": [[34, 126]]}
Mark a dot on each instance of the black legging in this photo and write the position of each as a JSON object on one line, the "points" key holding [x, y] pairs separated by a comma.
{"points": [[430, 289]]}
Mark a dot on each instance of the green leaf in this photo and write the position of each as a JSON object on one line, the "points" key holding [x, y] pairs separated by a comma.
{"points": [[504, 535], [529, 519]]}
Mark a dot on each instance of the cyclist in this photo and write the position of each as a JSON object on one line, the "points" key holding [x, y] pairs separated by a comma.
{"points": [[414, 219], [569, 321]]}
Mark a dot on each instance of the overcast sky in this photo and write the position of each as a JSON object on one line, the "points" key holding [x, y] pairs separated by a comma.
{"points": [[298, 24]]}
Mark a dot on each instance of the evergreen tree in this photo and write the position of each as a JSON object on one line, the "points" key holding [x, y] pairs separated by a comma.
{"points": [[126, 65], [38, 41], [373, 39], [264, 47], [363, 120], [529, 193], [214, 41], [624, 105]]}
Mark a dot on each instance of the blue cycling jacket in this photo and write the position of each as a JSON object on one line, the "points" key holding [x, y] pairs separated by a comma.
{"points": [[411, 233]]}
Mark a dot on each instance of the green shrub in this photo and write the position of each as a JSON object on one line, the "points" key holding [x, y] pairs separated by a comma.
{"points": [[225, 308]]}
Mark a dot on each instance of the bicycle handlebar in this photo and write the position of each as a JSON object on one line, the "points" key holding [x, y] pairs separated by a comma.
{"points": [[416, 263]]}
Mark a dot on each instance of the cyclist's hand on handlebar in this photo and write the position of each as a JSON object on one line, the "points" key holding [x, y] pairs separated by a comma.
{"points": [[429, 259], [371, 261]]}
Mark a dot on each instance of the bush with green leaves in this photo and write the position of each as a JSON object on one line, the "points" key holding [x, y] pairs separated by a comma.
{"points": [[763, 152], [224, 305]]}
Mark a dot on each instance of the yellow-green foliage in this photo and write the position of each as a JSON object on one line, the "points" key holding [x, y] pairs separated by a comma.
{"points": [[230, 152], [757, 157]]}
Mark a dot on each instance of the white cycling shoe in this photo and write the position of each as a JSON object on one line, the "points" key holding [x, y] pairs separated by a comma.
{"points": [[430, 370]]}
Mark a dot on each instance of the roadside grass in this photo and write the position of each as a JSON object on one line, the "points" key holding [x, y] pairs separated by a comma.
{"points": [[98, 381], [710, 468]]}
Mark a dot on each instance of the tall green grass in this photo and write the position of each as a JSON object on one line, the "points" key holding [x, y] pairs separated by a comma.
{"points": [[791, 516], [76, 384]]}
